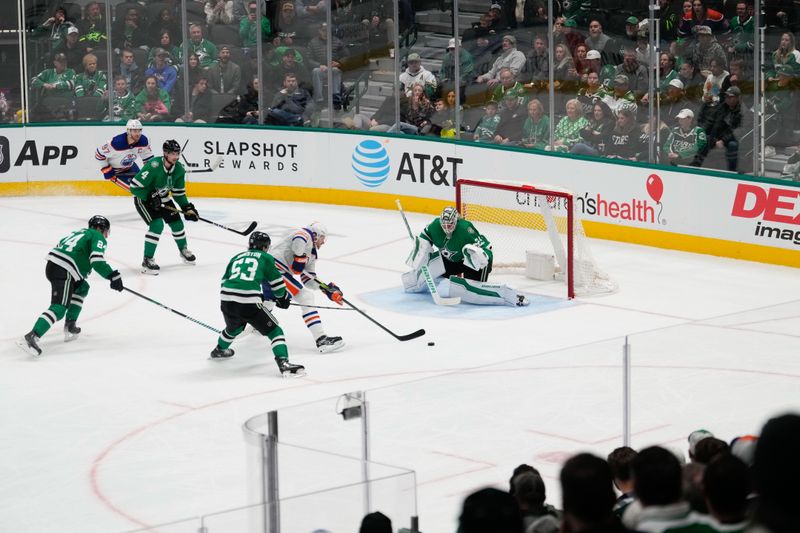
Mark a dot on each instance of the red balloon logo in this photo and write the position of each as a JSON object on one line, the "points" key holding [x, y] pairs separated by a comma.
{"points": [[655, 187]]}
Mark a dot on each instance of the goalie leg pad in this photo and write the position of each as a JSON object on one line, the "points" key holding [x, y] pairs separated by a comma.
{"points": [[413, 280], [481, 293]]}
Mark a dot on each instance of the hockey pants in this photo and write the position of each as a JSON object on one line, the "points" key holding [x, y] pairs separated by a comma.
{"points": [[155, 219], [66, 298], [237, 315]]}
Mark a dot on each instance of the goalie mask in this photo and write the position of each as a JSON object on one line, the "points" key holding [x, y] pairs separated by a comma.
{"points": [[449, 219]]}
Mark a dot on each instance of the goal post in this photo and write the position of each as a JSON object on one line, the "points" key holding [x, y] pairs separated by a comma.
{"points": [[527, 224]]}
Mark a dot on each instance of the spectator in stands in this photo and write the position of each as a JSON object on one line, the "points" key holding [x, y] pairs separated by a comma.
{"points": [[447, 72], [685, 141], [317, 59], [287, 65], [93, 27], [164, 73], [152, 102], [244, 109], [248, 28], [129, 31], [742, 31], [380, 32], [164, 23], [479, 30], [415, 74], [657, 484], [717, 82], [786, 54], [707, 449], [128, 69], [644, 52], [572, 37], [669, 19], [420, 108], [564, 76], [72, 48], [58, 81], [56, 26], [727, 484], [568, 129], [588, 496], [620, 461], [534, 13], [674, 101], [384, 118], [90, 82], [721, 125], [288, 23], [702, 16], [742, 78], [605, 72], [706, 50], [219, 12], [310, 11], [508, 86], [498, 18], [601, 122], [224, 76], [775, 472], [376, 522], [635, 72], [538, 60], [285, 41], [509, 57], [597, 40], [536, 134], [692, 80], [490, 510], [292, 106], [165, 43], [487, 125], [442, 122], [632, 28], [782, 101], [122, 102], [621, 96], [206, 50], [199, 104], [622, 142], [512, 119], [530, 493], [591, 92], [666, 71]]}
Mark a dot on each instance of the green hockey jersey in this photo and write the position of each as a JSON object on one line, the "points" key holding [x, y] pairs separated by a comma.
{"points": [[94, 85], [244, 275], [80, 252], [154, 178], [452, 248], [686, 144]]}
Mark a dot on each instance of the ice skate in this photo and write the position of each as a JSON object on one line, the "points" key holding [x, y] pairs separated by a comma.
{"points": [[71, 331], [522, 300], [290, 369], [29, 344], [187, 256], [219, 353], [327, 344], [150, 267]]}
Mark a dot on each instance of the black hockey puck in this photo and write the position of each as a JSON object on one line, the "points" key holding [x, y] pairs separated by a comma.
{"points": [[431, 343]]}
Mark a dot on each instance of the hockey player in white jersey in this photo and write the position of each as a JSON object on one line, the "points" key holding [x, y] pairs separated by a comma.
{"points": [[118, 156], [296, 257]]}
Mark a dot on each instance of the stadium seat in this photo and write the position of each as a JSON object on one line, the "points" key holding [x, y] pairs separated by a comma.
{"points": [[225, 34], [154, 9], [87, 108], [218, 101]]}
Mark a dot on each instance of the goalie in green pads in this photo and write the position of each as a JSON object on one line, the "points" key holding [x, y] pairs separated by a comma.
{"points": [[463, 256]]}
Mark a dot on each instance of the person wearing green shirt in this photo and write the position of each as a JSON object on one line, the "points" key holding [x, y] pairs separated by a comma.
{"points": [[487, 126], [248, 28], [568, 129], [242, 302], [90, 82], [463, 257], [122, 100], [68, 266], [58, 81], [160, 181], [508, 86], [684, 142], [536, 130], [205, 50]]}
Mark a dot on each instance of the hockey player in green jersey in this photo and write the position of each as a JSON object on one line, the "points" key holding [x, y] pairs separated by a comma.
{"points": [[242, 301], [151, 187], [462, 255], [68, 266]]}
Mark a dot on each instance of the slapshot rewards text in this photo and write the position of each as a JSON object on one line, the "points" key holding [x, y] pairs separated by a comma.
{"points": [[252, 155]]}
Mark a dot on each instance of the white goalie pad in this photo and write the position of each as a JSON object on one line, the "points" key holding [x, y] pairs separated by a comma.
{"points": [[474, 257], [413, 281], [419, 253], [479, 292]]}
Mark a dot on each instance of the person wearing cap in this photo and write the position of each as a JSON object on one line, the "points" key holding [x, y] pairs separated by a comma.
{"points": [[415, 74], [58, 81], [631, 30], [72, 47], [288, 23], [634, 71], [466, 67], [498, 17], [224, 76], [91, 81], [606, 72], [700, 15], [512, 119], [685, 141], [509, 57], [673, 100], [572, 37], [706, 49], [721, 125], [620, 96], [56, 26], [165, 74], [248, 27]]}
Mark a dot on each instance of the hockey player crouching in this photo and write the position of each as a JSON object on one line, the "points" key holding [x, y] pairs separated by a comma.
{"points": [[118, 156], [460, 251], [68, 266], [152, 187], [242, 303], [296, 257]]}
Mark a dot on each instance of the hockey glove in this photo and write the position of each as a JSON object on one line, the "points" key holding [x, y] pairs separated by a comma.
{"points": [[190, 213], [333, 292], [299, 263], [474, 257], [154, 202], [116, 281], [283, 301], [108, 172]]}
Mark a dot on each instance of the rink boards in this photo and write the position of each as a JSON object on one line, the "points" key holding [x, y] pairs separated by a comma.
{"points": [[695, 211]]}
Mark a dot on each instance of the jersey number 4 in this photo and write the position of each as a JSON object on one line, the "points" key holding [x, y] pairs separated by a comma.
{"points": [[244, 269]]}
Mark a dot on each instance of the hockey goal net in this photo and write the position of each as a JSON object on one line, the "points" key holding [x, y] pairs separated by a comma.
{"points": [[523, 221]]}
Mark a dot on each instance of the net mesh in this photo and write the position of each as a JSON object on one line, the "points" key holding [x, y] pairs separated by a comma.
{"points": [[526, 218]]}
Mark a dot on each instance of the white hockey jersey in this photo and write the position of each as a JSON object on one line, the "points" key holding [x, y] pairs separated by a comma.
{"points": [[120, 155], [299, 243]]}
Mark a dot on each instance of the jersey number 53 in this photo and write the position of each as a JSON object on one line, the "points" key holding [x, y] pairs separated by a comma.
{"points": [[244, 269]]}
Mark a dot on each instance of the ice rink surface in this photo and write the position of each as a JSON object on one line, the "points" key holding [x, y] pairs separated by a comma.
{"points": [[131, 425]]}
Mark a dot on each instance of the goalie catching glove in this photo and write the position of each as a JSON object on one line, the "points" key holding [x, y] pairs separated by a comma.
{"points": [[474, 257], [190, 213], [333, 292]]}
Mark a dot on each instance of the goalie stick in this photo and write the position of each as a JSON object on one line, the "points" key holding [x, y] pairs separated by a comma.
{"points": [[437, 298], [244, 232], [408, 337]]}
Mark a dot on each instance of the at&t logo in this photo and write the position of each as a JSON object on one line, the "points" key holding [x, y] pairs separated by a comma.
{"points": [[371, 163]]}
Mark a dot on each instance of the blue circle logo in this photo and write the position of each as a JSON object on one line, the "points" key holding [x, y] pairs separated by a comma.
{"points": [[371, 163]]}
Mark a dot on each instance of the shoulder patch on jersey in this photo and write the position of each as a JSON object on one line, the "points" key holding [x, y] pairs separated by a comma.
{"points": [[470, 230], [154, 164]]}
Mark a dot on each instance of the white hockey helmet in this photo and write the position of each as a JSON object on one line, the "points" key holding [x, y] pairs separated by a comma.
{"points": [[133, 124], [449, 219], [320, 232]]}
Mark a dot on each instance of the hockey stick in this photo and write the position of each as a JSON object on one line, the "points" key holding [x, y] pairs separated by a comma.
{"points": [[187, 317], [408, 337], [245, 232], [214, 166], [323, 307], [437, 299]]}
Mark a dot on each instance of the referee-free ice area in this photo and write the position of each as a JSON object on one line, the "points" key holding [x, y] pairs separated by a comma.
{"points": [[131, 425]]}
